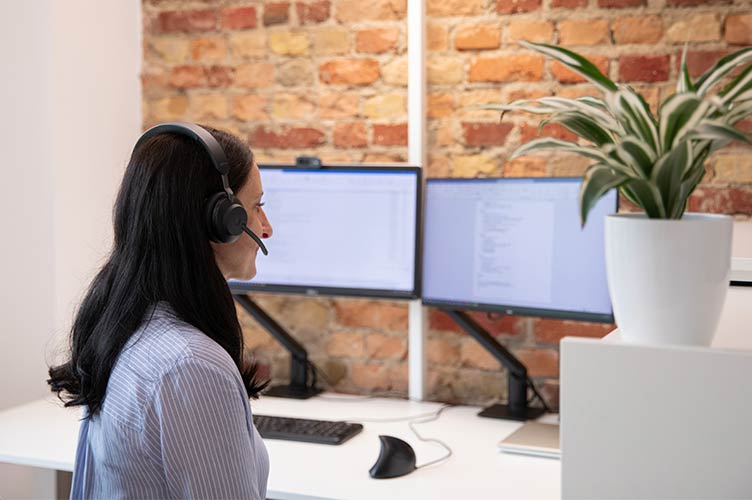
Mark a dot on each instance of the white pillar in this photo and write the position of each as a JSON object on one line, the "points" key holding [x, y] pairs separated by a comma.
{"points": [[416, 137]]}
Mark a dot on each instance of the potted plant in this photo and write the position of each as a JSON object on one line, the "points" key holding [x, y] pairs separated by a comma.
{"points": [[667, 270]]}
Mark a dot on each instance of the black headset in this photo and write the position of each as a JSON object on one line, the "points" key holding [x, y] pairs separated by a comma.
{"points": [[226, 218]]}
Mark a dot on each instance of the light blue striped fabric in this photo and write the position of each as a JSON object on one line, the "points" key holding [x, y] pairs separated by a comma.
{"points": [[176, 423]]}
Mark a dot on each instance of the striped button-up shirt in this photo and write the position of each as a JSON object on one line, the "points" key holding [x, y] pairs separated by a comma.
{"points": [[175, 423]]}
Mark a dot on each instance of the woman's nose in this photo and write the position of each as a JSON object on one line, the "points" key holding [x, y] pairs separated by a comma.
{"points": [[267, 228]]}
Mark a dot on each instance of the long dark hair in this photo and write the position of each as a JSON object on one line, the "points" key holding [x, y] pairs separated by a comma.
{"points": [[161, 252]]}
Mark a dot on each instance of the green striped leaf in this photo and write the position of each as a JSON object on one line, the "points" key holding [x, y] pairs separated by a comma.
{"points": [[525, 106], [635, 116], [708, 107], [582, 125], [645, 195], [669, 171], [684, 83], [598, 180], [721, 68], [738, 86], [717, 131], [548, 143], [635, 154], [604, 119], [738, 112], [679, 112], [689, 184], [593, 101], [575, 62]]}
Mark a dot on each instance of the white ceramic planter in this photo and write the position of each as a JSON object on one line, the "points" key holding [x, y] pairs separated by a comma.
{"points": [[668, 278]]}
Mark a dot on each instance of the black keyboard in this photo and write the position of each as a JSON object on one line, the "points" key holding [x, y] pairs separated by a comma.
{"points": [[305, 430]]}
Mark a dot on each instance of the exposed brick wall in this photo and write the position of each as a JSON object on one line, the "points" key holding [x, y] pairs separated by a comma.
{"points": [[328, 77]]}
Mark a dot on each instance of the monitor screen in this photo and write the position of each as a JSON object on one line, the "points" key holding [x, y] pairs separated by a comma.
{"points": [[345, 230], [515, 246]]}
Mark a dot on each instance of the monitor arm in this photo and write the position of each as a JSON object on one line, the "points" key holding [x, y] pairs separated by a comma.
{"points": [[299, 388], [517, 380]]}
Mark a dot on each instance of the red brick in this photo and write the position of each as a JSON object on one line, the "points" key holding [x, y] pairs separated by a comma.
{"points": [[474, 355], [440, 105], [240, 18], [584, 32], [442, 352], [526, 166], [370, 376], [620, 4], [551, 331], [385, 347], [437, 37], [516, 6], [183, 77], [644, 68], [637, 29], [160, 2], [390, 135], [568, 4], [486, 134], [550, 392], [699, 61], [566, 75], [345, 344], [438, 320], [349, 71], [732, 200], [154, 83], [539, 362], [286, 138], [350, 135], [531, 31], [454, 8], [377, 40], [220, 76], [496, 324], [477, 37], [313, 12], [739, 29], [685, 3], [529, 131], [517, 67], [369, 314], [356, 11], [276, 13], [188, 21], [745, 125]]}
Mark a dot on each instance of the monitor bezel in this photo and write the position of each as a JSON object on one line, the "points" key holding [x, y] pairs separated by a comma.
{"points": [[241, 287], [513, 309]]}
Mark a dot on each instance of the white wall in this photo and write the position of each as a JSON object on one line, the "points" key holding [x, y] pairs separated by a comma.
{"points": [[70, 98]]}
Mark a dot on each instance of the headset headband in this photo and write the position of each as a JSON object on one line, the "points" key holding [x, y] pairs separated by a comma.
{"points": [[203, 137]]}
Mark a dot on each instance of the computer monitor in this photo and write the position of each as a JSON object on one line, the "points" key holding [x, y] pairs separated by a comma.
{"points": [[338, 230], [515, 246], [341, 230]]}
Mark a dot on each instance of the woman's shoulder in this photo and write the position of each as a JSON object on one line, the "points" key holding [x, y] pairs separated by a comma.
{"points": [[164, 341]]}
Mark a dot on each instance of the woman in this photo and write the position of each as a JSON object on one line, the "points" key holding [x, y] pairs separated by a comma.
{"points": [[156, 347]]}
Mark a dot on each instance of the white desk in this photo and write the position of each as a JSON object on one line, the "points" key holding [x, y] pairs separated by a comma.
{"points": [[43, 434]]}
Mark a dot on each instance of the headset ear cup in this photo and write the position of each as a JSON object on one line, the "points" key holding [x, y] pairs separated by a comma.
{"points": [[225, 218], [212, 207]]}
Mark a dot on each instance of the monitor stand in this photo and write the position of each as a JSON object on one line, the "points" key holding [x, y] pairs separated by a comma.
{"points": [[299, 386], [517, 407]]}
